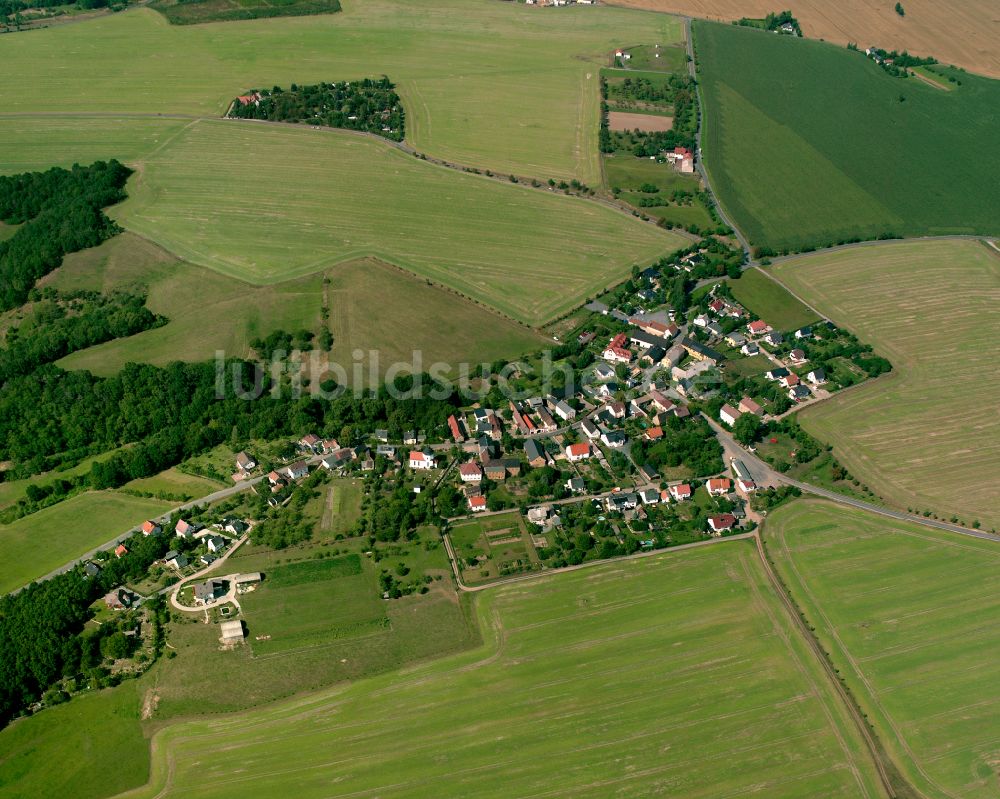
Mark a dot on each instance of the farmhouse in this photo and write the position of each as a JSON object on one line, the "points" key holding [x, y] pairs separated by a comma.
{"points": [[682, 160], [577, 452], [422, 460], [470, 472]]}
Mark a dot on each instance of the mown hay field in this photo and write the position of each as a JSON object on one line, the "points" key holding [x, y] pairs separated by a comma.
{"points": [[372, 306], [768, 300], [909, 617], [962, 33], [594, 681], [928, 436], [487, 84], [848, 150], [35, 545], [265, 204]]}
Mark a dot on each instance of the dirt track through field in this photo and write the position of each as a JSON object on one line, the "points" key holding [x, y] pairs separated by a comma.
{"points": [[966, 34]]}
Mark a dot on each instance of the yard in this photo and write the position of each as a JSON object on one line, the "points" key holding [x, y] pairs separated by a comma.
{"points": [[915, 640]]}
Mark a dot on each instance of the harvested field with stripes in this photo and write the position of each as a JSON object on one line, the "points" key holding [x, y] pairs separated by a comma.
{"points": [[676, 673], [909, 617], [927, 436]]}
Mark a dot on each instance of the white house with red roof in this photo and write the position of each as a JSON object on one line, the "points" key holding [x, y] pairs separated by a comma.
{"points": [[729, 414], [719, 486], [680, 492], [477, 504], [470, 472], [578, 452], [758, 328], [151, 528], [722, 522], [422, 460]]}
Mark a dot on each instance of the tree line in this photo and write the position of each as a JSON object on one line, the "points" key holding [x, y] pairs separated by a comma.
{"points": [[60, 211]]}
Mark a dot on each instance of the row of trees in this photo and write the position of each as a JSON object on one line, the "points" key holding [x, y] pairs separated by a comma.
{"points": [[60, 211]]}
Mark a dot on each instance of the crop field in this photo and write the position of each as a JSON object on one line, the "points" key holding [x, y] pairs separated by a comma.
{"points": [[813, 185], [909, 617], [770, 301], [36, 544], [197, 198], [606, 672], [961, 33], [65, 750], [927, 436], [373, 306], [493, 85]]}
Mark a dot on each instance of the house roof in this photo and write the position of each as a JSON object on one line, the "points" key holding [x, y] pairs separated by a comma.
{"points": [[578, 449], [477, 502], [470, 469], [654, 433], [148, 526], [682, 490], [719, 484], [758, 326]]}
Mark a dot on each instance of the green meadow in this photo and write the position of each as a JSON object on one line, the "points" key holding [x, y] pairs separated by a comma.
{"points": [[908, 615], [927, 436], [372, 306], [677, 673], [529, 253], [808, 144], [35, 545], [769, 300], [487, 84]]}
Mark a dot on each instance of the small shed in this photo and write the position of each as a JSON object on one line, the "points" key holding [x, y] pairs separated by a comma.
{"points": [[231, 631]]}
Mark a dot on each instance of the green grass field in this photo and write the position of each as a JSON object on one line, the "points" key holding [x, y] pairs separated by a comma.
{"points": [[494, 85], [850, 151], [928, 436], [677, 673], [193, 13], [35, 545], [175, 483], [530, 254], [305, 604], [909, 617], [64, 751], [372, 307], [770, 301]]}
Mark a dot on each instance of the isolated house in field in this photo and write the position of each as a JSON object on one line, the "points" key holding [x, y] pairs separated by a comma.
{"points": [[577, 452], [470, 472], [245, 462], [151, 528], [209, 591]]}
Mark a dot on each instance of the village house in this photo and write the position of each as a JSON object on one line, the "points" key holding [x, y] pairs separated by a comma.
{"points": [[119, 599], [121, 551], [310, 443], [779, 373], [816, 377], [750, 348], [774, 338], [803, 333], [758, 327], [534, 454], [700, 352], [729, 414], [245, 462], [604, 372], [797, 357], [546, 423], [789, 380], [590, 430], [477, 504], [682, 160], [215, 543], [234, 526], [616, 410], [722, 522], [653, 433], [674, 356], [422, 460], [746, 486], [151, 528], [576, 485], [386, 451], [661, 402], [798, 393], [614, 438], [680, 492], [747, 405], [735, 339], [186, 529], [719, 486], [564, 411], [209, 591], [470, 472], [649, 496], [175, 560], [622, 501], [410, 437], [456, 429], [91, 569], [701, 321], [714, 328], [329, 445], [296, 471], [577, 452]]}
